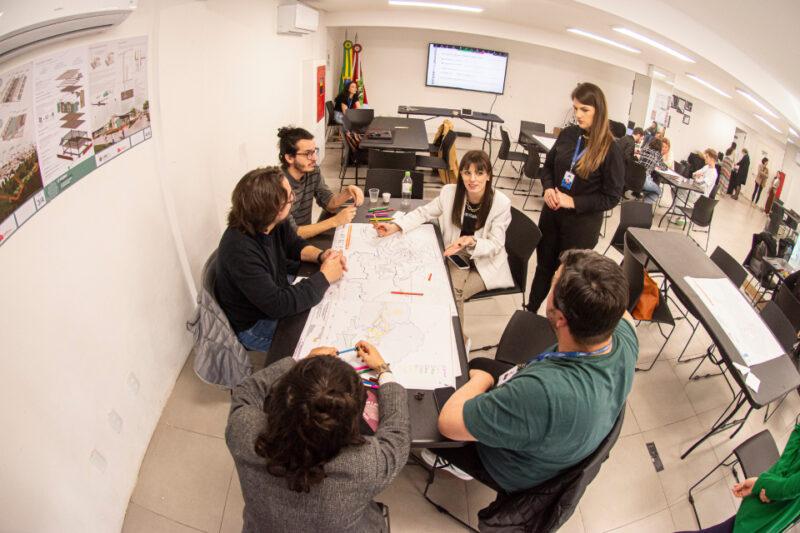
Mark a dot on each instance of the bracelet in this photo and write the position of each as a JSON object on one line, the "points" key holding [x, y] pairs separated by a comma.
{"points": [[319, 257]]}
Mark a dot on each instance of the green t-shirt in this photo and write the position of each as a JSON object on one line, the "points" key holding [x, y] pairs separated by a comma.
{"points": [[552, 414]]}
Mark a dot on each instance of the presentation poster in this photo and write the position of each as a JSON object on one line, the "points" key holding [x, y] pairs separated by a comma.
{"points": [[62, 116]]}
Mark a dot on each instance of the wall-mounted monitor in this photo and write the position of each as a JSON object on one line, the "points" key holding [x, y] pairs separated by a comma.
{"points": [[467, 68]]}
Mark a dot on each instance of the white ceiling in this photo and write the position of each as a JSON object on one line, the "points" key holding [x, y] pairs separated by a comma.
{"points": [[761, 31]]}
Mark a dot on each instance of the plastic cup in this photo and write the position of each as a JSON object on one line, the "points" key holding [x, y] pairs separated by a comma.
{"points": [[373, 195], [386, 197]]}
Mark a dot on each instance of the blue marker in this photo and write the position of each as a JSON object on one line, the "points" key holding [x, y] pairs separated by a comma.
{"points": [[340, 352]]}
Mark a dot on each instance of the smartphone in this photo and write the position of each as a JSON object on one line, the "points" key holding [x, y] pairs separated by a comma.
{"points": [[441, 395], [459, 262]]}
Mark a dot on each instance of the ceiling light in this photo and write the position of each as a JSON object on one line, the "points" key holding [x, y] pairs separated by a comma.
{"points": [[603, 40], [701, 81], [655, 44], [767, 122], [756, 102], [791, 130], [435, 5]]}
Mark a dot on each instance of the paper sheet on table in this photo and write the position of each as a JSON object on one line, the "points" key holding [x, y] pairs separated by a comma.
{"points": [[749, 334]]}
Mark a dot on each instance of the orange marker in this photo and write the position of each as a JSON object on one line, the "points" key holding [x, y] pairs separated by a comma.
{"points": [[429, 276], [347, 243], [408, 293]]}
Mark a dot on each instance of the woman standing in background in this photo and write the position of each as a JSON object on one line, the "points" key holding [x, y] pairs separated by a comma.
{"points": [[726, 169], [742, 169], [761, 179]]}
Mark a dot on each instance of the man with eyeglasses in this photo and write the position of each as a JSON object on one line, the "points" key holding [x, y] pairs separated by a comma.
{"points": [[255, 284], [298, 154]]}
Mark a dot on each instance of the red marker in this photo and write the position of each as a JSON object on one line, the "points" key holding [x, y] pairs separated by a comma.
{"points": [[429, 276], [408, 293]]}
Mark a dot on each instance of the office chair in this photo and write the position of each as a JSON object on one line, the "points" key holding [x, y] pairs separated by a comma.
{"points": [[397, 160], [632, 214]]}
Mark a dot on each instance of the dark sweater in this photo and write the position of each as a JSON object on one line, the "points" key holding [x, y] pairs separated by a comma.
{"points": [[251, 279], [601, 190]]}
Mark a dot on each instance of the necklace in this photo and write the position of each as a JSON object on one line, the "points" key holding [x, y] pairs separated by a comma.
{"points": [[471, 209]]}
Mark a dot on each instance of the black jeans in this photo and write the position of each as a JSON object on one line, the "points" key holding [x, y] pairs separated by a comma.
{"points": [[757, 193], [723, 527], [466, 458], [563, 229]]}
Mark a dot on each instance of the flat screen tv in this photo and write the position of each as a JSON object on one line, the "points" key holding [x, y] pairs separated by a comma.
{"points": [[467, 68]]}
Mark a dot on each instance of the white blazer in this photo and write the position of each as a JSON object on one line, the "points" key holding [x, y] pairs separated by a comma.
{"points": [[489, 252]]}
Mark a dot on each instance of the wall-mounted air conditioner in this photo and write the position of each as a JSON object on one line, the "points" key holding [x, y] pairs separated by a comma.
{"points": [[297, 19], [25, 25]]}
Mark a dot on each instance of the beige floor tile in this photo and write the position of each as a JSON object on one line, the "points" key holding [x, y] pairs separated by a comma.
{"points": [[629, 425], [660, 522], [410, 512], [629, 472], [234, 505], [141, 520], [485, 330], [197, 406], [707, 393], [722, 442], [479, 496], [574, 524], [657, 397], [185, 477], [714, 505], [678, 475]]}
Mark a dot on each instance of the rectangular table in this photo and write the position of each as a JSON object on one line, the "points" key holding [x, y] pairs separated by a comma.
{"points": [[543, 141], [676, 183], [677, 256], [423, 412], [408, 134], [477, 116]]}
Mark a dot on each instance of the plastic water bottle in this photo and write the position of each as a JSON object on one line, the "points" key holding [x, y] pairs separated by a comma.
{"points": [[406, 188]]}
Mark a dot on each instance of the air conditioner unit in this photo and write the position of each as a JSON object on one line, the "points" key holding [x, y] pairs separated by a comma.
{"points": [[297, 19], [24, 26]]}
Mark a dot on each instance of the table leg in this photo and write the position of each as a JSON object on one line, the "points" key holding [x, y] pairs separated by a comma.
{"points": [[669, 210], [724, 422]]}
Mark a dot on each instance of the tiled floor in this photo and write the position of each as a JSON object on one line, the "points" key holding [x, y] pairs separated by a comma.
{"points": [[187, 481]]}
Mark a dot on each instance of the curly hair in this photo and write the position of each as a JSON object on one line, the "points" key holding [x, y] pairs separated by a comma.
{"points": [[257, 199], [313, 412]]}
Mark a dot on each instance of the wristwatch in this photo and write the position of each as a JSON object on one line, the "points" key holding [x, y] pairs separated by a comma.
{"points": [[384, 367]]}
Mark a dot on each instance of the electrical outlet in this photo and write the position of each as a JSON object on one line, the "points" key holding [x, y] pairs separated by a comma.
{"points": [[133, 383], [115, 421], [98, 461]]}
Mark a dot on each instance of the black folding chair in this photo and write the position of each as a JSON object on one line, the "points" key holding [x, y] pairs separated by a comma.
{"points": [[526, 335], [397, 160], [635, 176], [436, 162], [391, 181], [789, 304], [331, 126], [700, 215], [632, 214], [786, 334], [505, 154]]}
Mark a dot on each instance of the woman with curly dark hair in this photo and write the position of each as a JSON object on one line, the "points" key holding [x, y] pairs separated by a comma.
{"points": [[294, 433]]}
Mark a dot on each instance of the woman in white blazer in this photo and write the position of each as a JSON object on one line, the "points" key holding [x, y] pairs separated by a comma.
{"points": [[473, 218]]}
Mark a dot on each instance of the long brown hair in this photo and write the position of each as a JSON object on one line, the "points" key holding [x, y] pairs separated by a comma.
{"points": [[482, 163], [600, 138], [257, 199], [313, 412]]}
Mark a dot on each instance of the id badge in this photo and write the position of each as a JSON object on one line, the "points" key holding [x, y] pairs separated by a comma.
{"points": [[508, 374], [567, 181]]}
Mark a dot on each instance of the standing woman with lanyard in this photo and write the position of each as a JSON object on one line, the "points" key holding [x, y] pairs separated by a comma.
{"points": [[583, 177]]}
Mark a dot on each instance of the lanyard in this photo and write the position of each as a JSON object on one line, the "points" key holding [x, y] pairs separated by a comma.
{"points": [[575, 154], [565, 355]]}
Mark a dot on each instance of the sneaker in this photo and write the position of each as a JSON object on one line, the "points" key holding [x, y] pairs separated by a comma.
{"points": [[432, 459]]}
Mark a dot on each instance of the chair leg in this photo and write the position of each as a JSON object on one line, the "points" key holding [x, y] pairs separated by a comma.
{"points": [[431, 476], [666, 340], [767, 414], [691, 497]]}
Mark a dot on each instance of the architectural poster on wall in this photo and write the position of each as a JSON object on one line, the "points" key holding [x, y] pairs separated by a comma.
{"points": [[62, 116]]}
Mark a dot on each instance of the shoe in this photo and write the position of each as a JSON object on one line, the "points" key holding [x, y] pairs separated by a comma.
{"points": [[434, 461]]}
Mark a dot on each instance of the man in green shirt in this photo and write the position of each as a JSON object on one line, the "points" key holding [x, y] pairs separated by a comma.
{"points": [[530, 424]]}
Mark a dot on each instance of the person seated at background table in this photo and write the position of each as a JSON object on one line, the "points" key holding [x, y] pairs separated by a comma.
{"points": [[253, 285], [293, 432], [627, 144], [527, 424], [347, 99], [474, 218], [650, 159], [666, 154], [298, 154], [771, 501], [706, 177]]}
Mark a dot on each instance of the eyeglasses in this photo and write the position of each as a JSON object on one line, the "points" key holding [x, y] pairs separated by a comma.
{"points": [[310, 154]]}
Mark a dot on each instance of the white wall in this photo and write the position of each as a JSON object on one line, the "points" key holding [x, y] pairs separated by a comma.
{"points": [[97, 287], [538, 83], [791, 187]]}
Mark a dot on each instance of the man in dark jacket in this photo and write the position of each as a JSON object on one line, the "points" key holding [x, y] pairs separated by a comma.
{"points": [[742, 168], [254, 286], [526, 424], [627, 144]]}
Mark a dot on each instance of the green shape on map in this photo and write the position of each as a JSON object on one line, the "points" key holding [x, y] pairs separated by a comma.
{"points": [[63, 182]]}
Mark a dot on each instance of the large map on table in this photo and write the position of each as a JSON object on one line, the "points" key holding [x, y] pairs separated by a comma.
{"points": [[414, 333]]}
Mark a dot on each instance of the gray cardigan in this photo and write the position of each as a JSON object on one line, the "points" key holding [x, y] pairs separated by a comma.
{"points": [[343, 501]]}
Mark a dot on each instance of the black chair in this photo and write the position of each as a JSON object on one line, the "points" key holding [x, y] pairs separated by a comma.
{"points": [[775, 219], [763, 246], [435, 162], [331, 125], [634, 272], [635, 175], [358, 120], [397, 160], [391, 181], [530, 127], [505, 154], [547, 506], [522, 237], [351, 158], [531, 170], [785, 333], [526, 335], [754, 456], [700, 215], [730, 266], [789, 305], [632, 214]]}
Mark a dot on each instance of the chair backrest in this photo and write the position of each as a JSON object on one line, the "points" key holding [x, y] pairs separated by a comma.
{"points": [[530, 127], [703, 211], [358, 119], [549, 505], [505, 144], [391, 180], [522, 237], [329, 113], [729, 266], [779, 325], [632, 214], [447, 143], [396, 160], [533, 164], [634, 273], [757, 454], [635, 175], [789, 304], [775, 219]]}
